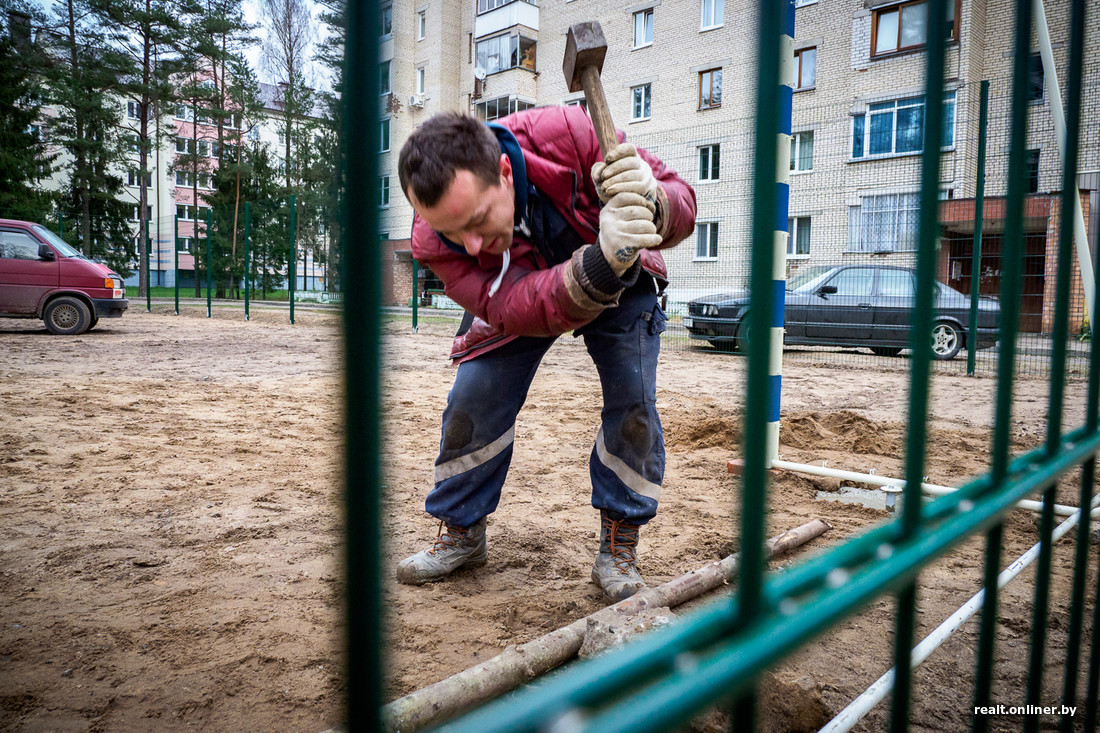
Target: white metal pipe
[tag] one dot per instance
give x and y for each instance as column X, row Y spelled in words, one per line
column 881, row 687
column 897, row 483
column 1050, row 74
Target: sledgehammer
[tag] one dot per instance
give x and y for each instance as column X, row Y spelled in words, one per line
column 585, row 48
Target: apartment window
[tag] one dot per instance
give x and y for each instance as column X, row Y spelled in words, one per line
column 206, row 181
column 1036, row 87
column 582, row 103
column 897, row 127
column 710, row 89
column 709, row 162
column 1033, row 171
column 802, row 152
column 642, row 98
column 384, row 136
column 383, row 191
column 384, row 77
column 884, row 223
column 506, row 52
column 184, row 178
column 494, row 109
column 798, row 236
column 137, row 212
column 904, row 26
column 706, row 241
column 185, row 112
column 713, row 13
column 133, row 144
column 805, row 68
column 387, row 21
column 133, row 178
column 133, row 110
column 420, row 74
column 183, row 244
column 185, row 146
column 484, row 6
column 184, row 212
column 643, row 28
column 421, row 25
column 204, row 148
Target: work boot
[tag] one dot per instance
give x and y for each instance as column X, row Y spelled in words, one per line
column 614, row 570
column 453, row 548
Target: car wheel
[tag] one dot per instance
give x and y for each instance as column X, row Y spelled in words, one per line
column 946, row 341
column 741, row 341
column 885, row 350
column 67, row 316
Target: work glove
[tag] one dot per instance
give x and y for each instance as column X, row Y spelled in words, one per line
column 624, row 171
column 626, row 228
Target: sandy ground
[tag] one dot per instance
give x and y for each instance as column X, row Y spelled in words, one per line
column 170, row 526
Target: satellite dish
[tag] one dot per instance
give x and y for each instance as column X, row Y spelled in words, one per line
column 479, row 73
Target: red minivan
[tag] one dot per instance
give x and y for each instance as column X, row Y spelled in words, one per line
column 43, row 277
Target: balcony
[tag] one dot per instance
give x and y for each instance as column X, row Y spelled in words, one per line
column 494, row 16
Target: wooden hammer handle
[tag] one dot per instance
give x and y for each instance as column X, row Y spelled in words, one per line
column 598, row 109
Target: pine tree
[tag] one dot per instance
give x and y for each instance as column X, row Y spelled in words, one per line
column 330, row 140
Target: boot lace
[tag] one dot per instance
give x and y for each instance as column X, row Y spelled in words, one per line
column 621, row 540
column 448, row 539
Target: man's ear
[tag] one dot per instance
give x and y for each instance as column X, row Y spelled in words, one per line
column 506, row 167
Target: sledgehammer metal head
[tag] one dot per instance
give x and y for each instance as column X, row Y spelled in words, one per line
column 585, row 48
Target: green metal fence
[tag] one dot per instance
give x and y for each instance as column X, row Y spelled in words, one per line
column 716, row 655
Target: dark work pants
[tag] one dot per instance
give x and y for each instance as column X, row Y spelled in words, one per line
column 627, row 463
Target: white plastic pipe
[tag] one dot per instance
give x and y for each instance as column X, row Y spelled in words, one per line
column 897, row 483
column 881, row 687
column 1050, row 74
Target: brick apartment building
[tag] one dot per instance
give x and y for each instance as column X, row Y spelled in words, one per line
column 680, row 80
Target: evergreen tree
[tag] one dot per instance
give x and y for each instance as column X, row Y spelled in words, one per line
column 23, row 156
column 330, row 139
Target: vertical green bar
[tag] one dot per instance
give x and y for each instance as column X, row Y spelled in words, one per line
column 176, row 260
column 983, row 687
column 60, row 223
column 920, row 369
column 979, row 218
column 293, row 258
column 148, row 269
column 362, row 285
column 209, row 262
column 1061, row 334
column 416, row 293
column 247, row 278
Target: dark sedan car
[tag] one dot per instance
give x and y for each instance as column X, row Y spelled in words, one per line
column 849, row 305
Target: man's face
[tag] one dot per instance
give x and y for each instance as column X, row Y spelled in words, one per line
column 470, row 213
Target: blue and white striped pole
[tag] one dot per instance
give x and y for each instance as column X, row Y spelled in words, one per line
column 782, row 208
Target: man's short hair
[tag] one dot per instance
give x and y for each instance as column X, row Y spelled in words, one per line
column 445, row 144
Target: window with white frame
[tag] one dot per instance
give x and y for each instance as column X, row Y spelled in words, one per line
column 501, row 53
column 185, row 212
column 421, row 25
column 802, row 152
column 133, row 144
column 805, row 68
column 387, row 21
column 133, row 110
column 710, row 161
column 581, row 102
column 896, row 127
column 710, row 89
column 383, row 191
column 185, row 178
column 384, row 136
column 484, row 6
column 884, row 223
column 494, row 109
column 185, row 112
column 420, row 77
column 133, row 178
column 641, row 101
column 798, row 236
column 713, row 13
column 183, row 244
column 904, row 26
column 1036, row 83
column 643, row 28
column 706, row 240
column 384, row 77
column 185, row 146
column 134, row 216
column 206, row 181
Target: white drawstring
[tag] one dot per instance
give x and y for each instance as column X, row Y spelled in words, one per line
column 507, row 256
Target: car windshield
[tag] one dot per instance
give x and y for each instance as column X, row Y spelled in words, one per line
column 808, row 278
column 58, row 243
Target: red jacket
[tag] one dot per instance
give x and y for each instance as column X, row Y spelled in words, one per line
column 559, row 147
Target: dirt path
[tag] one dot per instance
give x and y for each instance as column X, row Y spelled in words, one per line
column 169, row 547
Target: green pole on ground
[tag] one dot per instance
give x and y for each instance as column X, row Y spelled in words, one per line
column 976, row 256
column 176, row 260
column 209, row 257
column 416, row 292
column 247, row 279
column 148, row 269
column 293, row 259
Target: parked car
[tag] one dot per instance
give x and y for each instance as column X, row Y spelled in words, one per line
column 849, row 305
column 43, row 277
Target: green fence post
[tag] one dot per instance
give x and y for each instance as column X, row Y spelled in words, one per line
column 293, row 258
column 148, row 269
column 209, row 261
column 247, row 279
column 176, row 260
column 416, row 293
column 362, row 294
column 979, row 216
column 60, row 224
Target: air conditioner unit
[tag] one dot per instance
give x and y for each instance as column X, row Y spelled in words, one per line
column 417, row 100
